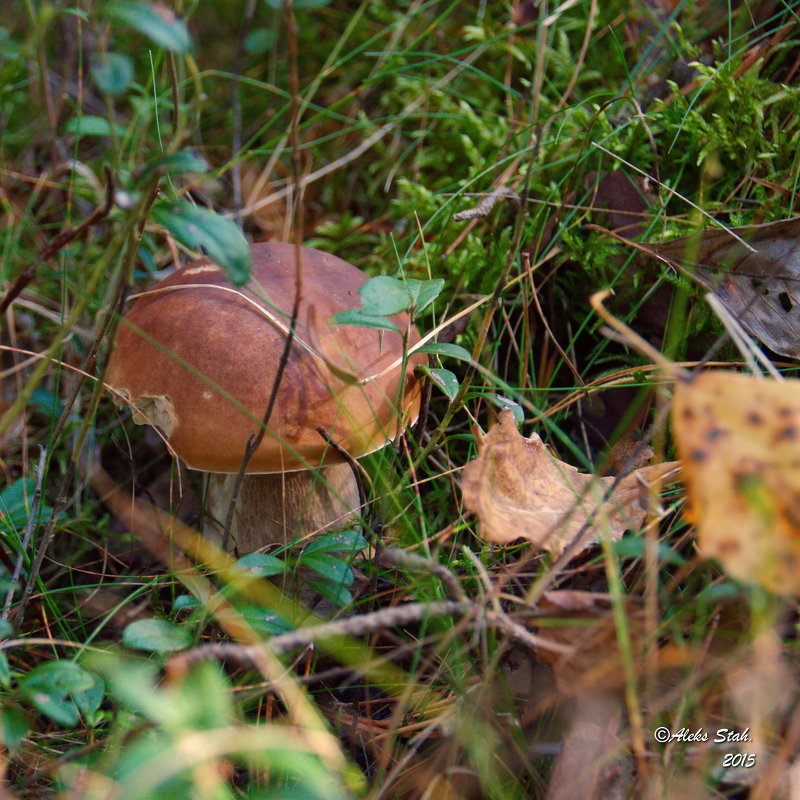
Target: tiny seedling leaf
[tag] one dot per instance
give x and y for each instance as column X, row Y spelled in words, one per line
column 447, row 350
column 355, row 317
column 383, row 296
column 199, row 227
column 112, row 73
column 156, row 21
column 156, row 635
column 443, row 378
column 424, row 293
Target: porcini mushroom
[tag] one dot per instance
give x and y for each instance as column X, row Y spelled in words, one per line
column 198, row 358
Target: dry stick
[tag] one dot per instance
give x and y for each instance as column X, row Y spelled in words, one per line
column 360, row 625
column 254, row 442
column 29, row 527
column 63, row 238
column 395, row 557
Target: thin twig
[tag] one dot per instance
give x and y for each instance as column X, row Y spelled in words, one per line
column 359, row 472
column 360, row 625
column 29, row 528
column 254, row 442
column 63, row 238
column 389, row 556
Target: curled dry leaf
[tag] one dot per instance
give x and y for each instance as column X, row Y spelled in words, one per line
column 519, row 490
column 761, row 289
column 738, row 437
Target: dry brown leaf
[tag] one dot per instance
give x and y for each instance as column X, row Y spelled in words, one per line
column 738, row 437
column 761, row 289
column 519, row 490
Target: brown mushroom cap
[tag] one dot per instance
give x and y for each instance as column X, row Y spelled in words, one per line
column 198, row 357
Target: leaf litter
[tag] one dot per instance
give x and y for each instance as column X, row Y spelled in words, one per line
column 759, row 286
column 519, row 489
column 738, row 437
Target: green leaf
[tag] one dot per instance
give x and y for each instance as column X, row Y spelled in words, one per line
column 337, row 593
column 355, row 317
column 6, row 629
column 444, row 379
column 15, row 727
column 260, row 40
column 48, row 686
column 112, row 73
column 634, row 546
column 89, row 700
column 15, row 503
column 504, row 404
column 91, row 126
column 186, row 601
column 383, row 296
column 156, row 21
column 424, row 292
column 332, row 568
column 262, row 564
column 199, row 227
column 5, row 670
column 447, row 350
column 182, row 162
column 156, row 635
column 342, row 542
column 58, row 677
column 264, row 621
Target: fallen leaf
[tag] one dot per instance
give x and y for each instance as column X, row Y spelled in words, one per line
column 761, row 289
column 519, row 490
column 738, row 438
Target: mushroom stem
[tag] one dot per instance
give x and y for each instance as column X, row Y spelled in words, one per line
column 275, row 508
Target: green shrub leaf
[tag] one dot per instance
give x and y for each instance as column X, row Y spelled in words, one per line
column 91, row 126
column 199, row 227
column 262, row 564
column 448, row 350
column 424, row 293
column 355, row 317
column 112, row 73
column 156, row 21
column 444, row 379
column 383, row 296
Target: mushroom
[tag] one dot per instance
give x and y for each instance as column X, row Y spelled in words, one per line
column 198, row 358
